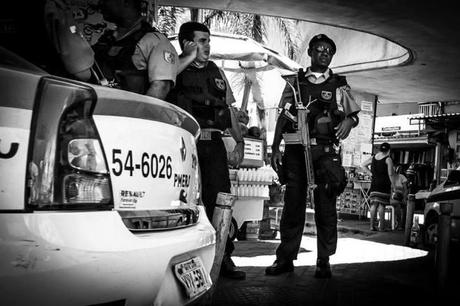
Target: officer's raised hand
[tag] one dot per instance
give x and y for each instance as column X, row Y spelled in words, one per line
column 188, row 55
column 344, row 127
column 190, row 49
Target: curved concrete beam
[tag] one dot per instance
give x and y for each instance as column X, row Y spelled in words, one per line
column 428, row 28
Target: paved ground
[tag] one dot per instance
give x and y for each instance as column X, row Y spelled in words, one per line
column 369, row 268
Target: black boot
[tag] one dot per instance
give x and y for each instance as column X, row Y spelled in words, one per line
column 279, row 267
column 323, row 268
column 228, row 270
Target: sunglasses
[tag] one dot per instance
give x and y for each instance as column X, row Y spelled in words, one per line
column 322, row 48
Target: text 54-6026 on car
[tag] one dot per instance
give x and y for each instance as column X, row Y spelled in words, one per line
column 99, row 192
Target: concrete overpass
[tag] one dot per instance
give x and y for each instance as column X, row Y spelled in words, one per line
column 423, row 35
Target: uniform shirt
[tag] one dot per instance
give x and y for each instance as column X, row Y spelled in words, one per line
column 155, row 53
column 345, row 100
column 229, row 98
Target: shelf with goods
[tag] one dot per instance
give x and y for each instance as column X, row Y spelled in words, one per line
column 251, row 186
column 251, row 183
column 355, row 198
column 407, row 156
column 351, row 201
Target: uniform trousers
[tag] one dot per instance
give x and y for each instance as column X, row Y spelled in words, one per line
column 293, row 216
column 212, row 157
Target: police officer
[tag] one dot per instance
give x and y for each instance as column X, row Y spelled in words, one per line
column 332, row 115
column 136, row 57
column 203, row 90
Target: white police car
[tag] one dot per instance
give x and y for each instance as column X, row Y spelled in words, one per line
column 99, row 194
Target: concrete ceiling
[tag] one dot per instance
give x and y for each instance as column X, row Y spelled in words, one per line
column 429, row 29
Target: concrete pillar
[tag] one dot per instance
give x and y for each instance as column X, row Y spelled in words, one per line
column 442, row 248
column 409, row 218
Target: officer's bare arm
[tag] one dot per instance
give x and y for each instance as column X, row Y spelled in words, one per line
column 159, row 89
column 235, row 130
column 280, row 123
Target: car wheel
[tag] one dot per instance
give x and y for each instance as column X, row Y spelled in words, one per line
column 233, row 230
column 430, row 236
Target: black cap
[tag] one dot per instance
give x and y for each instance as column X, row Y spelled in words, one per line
column 321, row 37
column 385, row 147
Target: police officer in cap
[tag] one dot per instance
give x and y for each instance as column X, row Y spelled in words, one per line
column 203, row 90
column 332, row 114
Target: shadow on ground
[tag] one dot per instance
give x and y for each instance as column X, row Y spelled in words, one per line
column 409, row 281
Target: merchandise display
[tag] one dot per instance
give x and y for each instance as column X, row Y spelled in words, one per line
column 355, row 198
column 251, row 186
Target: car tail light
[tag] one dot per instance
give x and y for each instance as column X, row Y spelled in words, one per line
column 86, row 154
column 67, row 165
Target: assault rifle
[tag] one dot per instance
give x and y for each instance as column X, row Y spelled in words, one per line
column 302, row 135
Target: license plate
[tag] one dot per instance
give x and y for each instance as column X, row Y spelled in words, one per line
column 193, row 276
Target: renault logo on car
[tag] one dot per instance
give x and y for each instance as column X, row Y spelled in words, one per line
column 183, row 150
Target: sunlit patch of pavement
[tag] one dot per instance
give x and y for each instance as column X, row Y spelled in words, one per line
column 349, row 250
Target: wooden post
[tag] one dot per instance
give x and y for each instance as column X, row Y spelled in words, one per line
column 442, row 248
column 409, row 218
column 221, row 220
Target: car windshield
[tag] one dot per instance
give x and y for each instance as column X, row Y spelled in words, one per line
column 10, row 59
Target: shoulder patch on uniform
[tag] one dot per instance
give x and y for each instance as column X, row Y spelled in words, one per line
column 220, row 83
column 169, row 57
column 326, row 95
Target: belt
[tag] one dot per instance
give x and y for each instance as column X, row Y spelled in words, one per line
column 210, row 134
column 327, row 148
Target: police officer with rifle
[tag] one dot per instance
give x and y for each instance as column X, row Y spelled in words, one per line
column 317, row 111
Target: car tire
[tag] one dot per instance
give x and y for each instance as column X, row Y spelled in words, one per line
column 430, row 232
column 233, row 230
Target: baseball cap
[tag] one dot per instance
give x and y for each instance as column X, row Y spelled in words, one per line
column 385, row 147
column 321, row 37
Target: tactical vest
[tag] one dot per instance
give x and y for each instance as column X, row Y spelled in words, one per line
column 114, row 59
column 202, row 92
column 324, row 114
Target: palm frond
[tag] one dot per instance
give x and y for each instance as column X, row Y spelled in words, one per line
column 167, row 18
